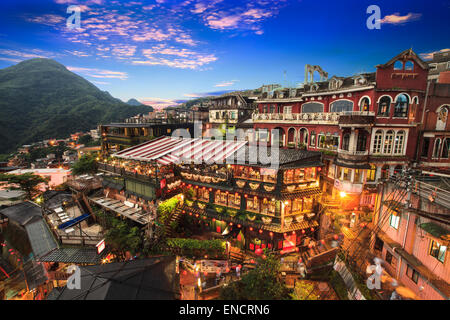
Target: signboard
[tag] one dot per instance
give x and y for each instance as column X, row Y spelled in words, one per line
column 212, row 266
column 100, row 246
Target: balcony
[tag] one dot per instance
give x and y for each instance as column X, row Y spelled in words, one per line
column 300, row 118
column 361, row 118
column 353, row 155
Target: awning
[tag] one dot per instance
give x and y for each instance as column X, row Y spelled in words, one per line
column 352, row 165
column 167, row 150
column 73, row 222
column 435, row 230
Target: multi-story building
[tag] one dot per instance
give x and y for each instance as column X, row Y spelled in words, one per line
column 365, row 125
column 440, row 64
column 412, row 235
column 118, row 136
column 230, row 110
column 258, row 205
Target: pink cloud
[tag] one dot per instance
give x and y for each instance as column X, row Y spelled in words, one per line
column 396, row 18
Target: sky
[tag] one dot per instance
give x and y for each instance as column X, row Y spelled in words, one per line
column 162, row 52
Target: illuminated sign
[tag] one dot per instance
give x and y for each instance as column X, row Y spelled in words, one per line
column 100, row 246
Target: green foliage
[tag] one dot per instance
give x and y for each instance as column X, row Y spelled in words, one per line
column 338, row 285
column 261, row 283
column 86, row 165
column 41, row 99
column 166, row 208
column 197, row 248
column 84, row 139
column 27, row 182
column 121, row 237
column 188, row 194
column 304, row 290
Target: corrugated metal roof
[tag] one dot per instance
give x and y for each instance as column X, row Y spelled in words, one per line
column 41, row 239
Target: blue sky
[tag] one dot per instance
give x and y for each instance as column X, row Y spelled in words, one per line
column 163, row 51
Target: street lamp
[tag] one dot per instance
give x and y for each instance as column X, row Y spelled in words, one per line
column 343, row 194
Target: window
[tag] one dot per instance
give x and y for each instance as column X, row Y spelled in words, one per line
column 388, row 139
column 377, row 142
column 371, row 173
column 358, row 176
column 384, row 106
column 438, row 251
column 399, row 142
column 346, row 142
column 425, row 147
column 385, row 172
column 265, row 109
column 409, row 66
column 347, row 173
column 365, row 104
column 287, row 109
column 312, row 141
column 442, row 116
column 389, row 257
column 401, row 106
column 361, row 143
column 378, row 244
column 437, row 147
column 445, row 148
column 312, row 107
column 412, row 274
column 394, row 221
column 341, row 106
column 398, row 65
column 272, row 108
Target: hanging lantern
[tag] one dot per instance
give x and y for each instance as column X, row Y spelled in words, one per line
column 259, row 251
column 214, row 219
column 312, row 229
column 293, row 232
column 205, row 273
column 271, row 233
column 251, row 229
column 260, row 231
column 303, row 231
column 336, row 237
column 238, row 225
column 231, row 223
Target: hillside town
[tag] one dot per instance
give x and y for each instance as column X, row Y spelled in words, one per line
column 341, row 183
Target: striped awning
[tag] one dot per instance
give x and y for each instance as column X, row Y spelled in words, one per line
column 167, row 150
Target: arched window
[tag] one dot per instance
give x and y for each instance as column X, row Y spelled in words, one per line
column 303, row 136
column 365, row 104
column 399, row 142
column 401, row 106
column 437, row 148
column 445, row 148
column 442, row 117
column 291, row 136
column 378, row 142
column 346, row 142
column 371, row 173
column 384, row 106
column 312, row 107
column 398, row 65
column 409, row 66
column 388, row 139
column 341, row 106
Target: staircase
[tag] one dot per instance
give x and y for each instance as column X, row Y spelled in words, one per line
column 174, row 217
column 236, row 256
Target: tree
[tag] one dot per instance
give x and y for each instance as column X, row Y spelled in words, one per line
column 86, row 165
column 122, row 238
column 261, row 283
column 84, row 139
column 27, row 182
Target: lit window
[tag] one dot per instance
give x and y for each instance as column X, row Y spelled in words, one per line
column 384, row 106
column 388, row 139
column 394, row 221
column 438, row 251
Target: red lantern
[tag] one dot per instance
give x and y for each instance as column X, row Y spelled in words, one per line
column 231, row 223
column 227, row 270
column 204, row 218
column 310, row 246
column 260, row 231
column 238, row 225
column 300, row 260
column 240, row 266
column 258, row 251
column 312, row 229
column 336, row 237
column 251, row 228
column 271, row 233
column 264, row 257
column 293, row 232
column 252, row 261
column 205, row 273
column 322, row 241
column 303, row 231
column 214, row 219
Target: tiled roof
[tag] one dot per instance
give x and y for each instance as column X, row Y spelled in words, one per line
column 73, row 255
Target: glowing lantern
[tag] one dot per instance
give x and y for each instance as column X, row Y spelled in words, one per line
column 260, row 231
column 258, row 251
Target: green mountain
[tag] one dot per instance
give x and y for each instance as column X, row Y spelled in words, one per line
column 41, row 99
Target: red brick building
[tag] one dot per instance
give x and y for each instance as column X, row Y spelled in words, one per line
column 365, row 125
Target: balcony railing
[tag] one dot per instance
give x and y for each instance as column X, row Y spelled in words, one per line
column 354, row 153
column 319, row 117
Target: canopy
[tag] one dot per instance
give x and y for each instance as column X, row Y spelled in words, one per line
column 167, row 150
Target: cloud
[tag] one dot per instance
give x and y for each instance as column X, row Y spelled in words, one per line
column 207, row 94
column 226, row 83
column 99, row 73
column 159, row 103
column 27, row 54
column 11, row 59
column 429, row 55
column 174, row 57
column 396, row 18
column 47, row 19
